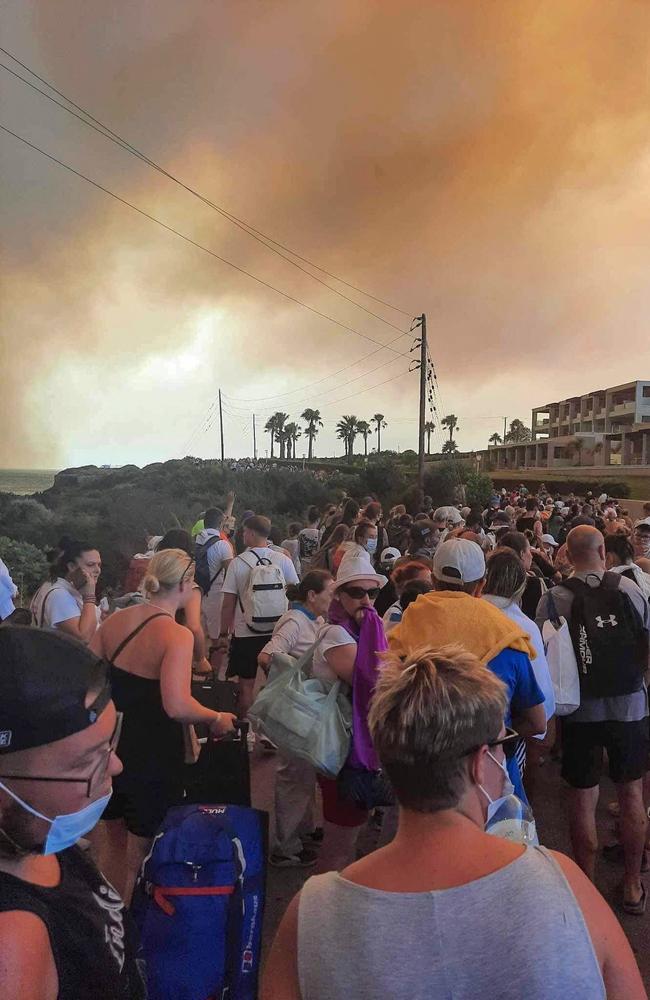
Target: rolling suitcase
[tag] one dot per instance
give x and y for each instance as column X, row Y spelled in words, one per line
column 222, row 772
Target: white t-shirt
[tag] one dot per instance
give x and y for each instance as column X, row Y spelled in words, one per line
column 58, row 602
column 237, row 579
column 292, row 545
column 218, row 553
column 294, row 633
column 328, row 636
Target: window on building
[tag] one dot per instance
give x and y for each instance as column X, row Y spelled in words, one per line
column 646, row 391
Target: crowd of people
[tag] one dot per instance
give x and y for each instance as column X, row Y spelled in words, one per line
column 434, row 628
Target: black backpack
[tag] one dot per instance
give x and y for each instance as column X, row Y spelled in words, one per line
column 609, row 640
column 202, row 570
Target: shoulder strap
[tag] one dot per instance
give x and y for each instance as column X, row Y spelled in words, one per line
column 575, row 585
column 132, row 635
column 611, row 581
column 51, row 590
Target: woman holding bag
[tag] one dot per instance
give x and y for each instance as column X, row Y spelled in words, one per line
column 348, row 649
column 295, row 783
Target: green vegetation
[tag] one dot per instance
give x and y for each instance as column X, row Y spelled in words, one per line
column 114, row 508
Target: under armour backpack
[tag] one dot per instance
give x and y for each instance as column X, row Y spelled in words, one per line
column 199, row 903
column 264, row 600
column 609, row 639
column 202, row 567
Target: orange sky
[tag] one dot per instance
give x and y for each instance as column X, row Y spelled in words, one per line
column 486, row 163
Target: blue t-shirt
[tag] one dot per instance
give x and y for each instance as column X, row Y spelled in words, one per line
column 516, row 672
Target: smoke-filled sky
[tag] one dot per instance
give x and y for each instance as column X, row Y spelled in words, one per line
column 486, row 163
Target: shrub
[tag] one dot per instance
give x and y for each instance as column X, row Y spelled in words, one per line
column 26, row 563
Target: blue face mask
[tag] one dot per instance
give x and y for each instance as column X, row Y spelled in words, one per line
column 371, row 545
column 66, row 830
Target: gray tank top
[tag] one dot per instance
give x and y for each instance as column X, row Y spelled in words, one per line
column 518, row 932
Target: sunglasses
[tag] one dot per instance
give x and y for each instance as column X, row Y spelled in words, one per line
column 509, row 744
column 358, row 593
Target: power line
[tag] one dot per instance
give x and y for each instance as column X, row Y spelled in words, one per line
column 256, row 234
column 334, row 388
column 193, row 243
column 280, row 395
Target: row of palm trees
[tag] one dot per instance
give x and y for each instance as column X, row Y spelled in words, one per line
column 285, row 433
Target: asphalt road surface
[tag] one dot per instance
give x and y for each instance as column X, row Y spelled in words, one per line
column 550, row 814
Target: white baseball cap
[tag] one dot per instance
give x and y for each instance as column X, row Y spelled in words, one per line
column 389, row 555
column 549, row 540
column 459, row 560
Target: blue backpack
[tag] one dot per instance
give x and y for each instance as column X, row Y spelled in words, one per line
column 199, row 903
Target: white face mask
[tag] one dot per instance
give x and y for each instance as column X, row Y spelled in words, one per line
column 507, row 816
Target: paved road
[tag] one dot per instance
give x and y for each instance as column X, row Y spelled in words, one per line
column 550, row 816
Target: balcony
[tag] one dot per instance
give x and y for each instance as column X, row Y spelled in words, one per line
column 627, row 406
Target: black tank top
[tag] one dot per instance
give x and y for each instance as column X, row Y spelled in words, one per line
column 151, row 744
column 92, row 935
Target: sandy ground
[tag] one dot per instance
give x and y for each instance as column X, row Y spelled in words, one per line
column 552, row 827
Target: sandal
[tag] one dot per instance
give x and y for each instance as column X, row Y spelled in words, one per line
column 637, row 909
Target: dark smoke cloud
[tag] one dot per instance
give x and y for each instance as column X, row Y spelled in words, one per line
column 485, row 163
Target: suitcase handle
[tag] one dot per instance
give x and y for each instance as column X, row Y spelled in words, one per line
column 241, row 731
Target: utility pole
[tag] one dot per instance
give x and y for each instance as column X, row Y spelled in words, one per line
column 221, row 427
column 505, row 420
column 423, row 397
column 254, row 440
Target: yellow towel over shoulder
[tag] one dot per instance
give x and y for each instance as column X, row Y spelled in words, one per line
column 441, row 618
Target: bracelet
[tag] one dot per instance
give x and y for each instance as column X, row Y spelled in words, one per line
column 224, row 635
column 90, row 600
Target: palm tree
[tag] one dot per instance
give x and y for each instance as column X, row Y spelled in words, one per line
column 364, row 428
column 313, row 421
column 279, row 420
column 495, row 438
column 449, row 447
column 451, row 423
column 347, row 430
column 429, row 428
column 379, row 420
column 292, row 433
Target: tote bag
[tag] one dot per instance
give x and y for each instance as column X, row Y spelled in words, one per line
column 304, row 716
column 562, row 663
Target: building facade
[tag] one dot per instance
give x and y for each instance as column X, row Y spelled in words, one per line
column 603, row 429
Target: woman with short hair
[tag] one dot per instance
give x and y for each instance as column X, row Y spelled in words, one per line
column 489, row 917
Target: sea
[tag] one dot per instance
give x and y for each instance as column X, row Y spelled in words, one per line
column 24, row 481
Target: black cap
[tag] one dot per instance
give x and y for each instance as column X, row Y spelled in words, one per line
column 44, row 681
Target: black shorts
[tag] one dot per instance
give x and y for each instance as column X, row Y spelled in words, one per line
column 142, row 803
column 243, row 656
column 583, row 743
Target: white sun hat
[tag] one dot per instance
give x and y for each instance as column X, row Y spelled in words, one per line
column 356, row 565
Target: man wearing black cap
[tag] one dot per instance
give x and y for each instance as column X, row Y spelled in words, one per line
column 64, row 933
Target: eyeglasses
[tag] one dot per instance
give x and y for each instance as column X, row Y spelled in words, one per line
column 98, row 775
column 509, row 743
column 358, row 593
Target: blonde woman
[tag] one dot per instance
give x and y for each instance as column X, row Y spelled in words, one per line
column 151, row 662
column 489, row 917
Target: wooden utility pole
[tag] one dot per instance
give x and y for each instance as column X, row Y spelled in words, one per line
column 423, row 397
column 505, row 421
column 221, row 427
column 254, row 440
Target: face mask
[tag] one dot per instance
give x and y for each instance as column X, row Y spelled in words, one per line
column 508, row 816
column 66, row 830
column 371, row 545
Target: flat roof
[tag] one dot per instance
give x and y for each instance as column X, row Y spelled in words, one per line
column 594, row 392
